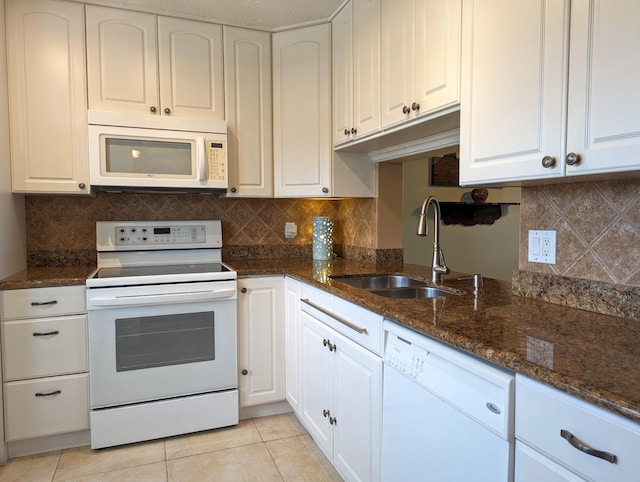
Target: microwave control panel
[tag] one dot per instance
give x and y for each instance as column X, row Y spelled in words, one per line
column 217, row 160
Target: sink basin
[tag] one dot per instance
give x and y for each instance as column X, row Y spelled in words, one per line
column 396, row 286
column 415, row 292
column 376, row 282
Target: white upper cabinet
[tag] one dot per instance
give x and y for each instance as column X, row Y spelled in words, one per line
column 47, row 97
column 247, row 70
column 548, row 89
column 603, row 118
column 420, row 59
column 302, row 112
column 144, row 64
column 356, row 70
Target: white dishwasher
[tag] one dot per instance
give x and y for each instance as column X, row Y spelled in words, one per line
column 447, row 416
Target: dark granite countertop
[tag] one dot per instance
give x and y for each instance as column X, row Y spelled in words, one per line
column 47, row 277
column 588, row 355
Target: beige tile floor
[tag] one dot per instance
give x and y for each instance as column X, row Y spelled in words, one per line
column 275, row 448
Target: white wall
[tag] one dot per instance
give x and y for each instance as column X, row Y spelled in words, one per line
column 491, row 250
column 13, row 256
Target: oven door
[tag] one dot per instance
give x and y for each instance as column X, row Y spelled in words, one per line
column 151, row 346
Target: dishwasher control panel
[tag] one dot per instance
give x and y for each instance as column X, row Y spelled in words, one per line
column 405, row 357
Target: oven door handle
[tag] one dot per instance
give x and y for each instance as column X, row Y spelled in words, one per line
column 162, row 298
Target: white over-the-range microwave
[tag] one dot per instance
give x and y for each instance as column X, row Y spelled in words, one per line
column 129, row 152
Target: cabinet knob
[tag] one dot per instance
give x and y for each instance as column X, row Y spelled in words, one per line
column 415, row 106
column 548, row 161
column 153, row 109
column 233, row 189
column 573, row 159
column 354, row 130
column 346, row 132
column 82, row 185
column 405, row 110
column 243, row 290
column 325, row 190
column 244, row 371
column 167, row 110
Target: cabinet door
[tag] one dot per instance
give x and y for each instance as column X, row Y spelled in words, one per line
column 190, row 65
column 513, row 89
column 358, row 410
column 292, row 342
column 316, row 365
column 366, row 66
column 342, row 62
column 47, row 97
column 604, row 100
column 247, row 60
column 398, row 60
column 302, row 112
column 261, row 340
column 122, row 60
column 437, row 58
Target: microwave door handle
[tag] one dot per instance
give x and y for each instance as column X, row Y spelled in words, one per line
column 201, row 159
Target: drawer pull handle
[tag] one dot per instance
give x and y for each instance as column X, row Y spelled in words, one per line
column 50, row 394
column 48, row 333
column 569, row 437
column 44, row 303
column 362, row 331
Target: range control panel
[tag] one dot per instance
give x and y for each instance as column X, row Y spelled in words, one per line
column 143, row 235
column 150, row 235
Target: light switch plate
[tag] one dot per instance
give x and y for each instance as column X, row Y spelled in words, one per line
column 542, row 247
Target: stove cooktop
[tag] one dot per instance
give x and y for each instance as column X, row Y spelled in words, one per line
column 161, row 270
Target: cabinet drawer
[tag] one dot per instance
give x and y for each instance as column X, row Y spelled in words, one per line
column 360, row 325
column 542, row 412
column 317, row 297
column 30, row 412
column 44, row 347
column 39, row 302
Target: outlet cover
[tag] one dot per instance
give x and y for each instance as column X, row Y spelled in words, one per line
column 290, row 230
column 542, row 247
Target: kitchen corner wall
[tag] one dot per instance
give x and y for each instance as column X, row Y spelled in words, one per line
column 61, row 229
column 598, row 229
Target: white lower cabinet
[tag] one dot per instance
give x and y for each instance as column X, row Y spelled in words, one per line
column 46, row 406
column 341, row 385
column 261, row 340
column 561, row 438
column 45, row 364
column 292, row 341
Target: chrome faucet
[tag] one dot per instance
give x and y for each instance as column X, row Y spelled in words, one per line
column 438, row 265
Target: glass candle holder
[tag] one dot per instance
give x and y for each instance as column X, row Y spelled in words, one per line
column 322, row 238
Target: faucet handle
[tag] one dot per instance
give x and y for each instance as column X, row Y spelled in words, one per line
column 478, row 282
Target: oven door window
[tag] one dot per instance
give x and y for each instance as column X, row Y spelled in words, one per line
column 164, row 340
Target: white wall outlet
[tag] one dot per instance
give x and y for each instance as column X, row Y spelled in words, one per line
column 542, row 247
column 290, row 230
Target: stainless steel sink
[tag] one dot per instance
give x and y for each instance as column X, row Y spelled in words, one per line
column 375, row 282
column 396, row 286
column 415, row 292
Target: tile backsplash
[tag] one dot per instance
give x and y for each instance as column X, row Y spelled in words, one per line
column 61, row 229
column 598, row 229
